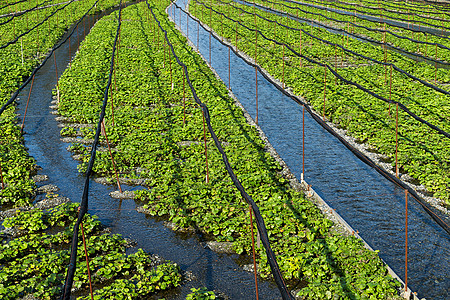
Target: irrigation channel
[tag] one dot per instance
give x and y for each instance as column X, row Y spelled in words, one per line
column 220, row 272
column 366, row 200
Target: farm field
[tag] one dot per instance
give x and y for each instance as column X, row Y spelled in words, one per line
column 356, row 97
column 133, row 115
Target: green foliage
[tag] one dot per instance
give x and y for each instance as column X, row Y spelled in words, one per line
column 36, row 262
column 422, row 152
column 200, row 294
column 152, row 142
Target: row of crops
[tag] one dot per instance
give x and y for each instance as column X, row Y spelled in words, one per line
column 329, row 61
column 36, row 236
column 156, row 133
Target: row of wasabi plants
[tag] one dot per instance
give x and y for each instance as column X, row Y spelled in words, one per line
column 155, row 138
column 35, row 243
column 35, row 252
column 422, row 152
column 16, row 63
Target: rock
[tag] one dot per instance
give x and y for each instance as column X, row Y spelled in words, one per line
column 177, row 228
column 8, row 213
column 221, row 247
column 189, row 276
column 123, row 195
column 47, row 189
column 51, row 202
column 143, row 210
column 250, row 268
column 39, row 178
column 187, row 143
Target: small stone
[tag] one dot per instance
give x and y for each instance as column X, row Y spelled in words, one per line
column 189, row 276
column 47, row 189
column 39, row 178
column 51, row 202
column 123, row 195
column 221, row 247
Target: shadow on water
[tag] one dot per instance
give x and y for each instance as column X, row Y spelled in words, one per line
column 215, row 271
column 366, row 200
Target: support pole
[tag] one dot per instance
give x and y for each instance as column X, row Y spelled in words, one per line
column 1, row 176
column 284, row 85
column 254, row 254
column 184, row 100
column 324, row 93
column 206, row 149
column 303, row 144
column 229, row 68
column 396, row 142
column 390, row 91
column 435, row 67
column 112, row 159
column 26, row 107
column 406, row 240
column 87, row 260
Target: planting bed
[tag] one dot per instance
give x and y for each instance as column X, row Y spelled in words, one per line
column 36, row 228
column 156, row 139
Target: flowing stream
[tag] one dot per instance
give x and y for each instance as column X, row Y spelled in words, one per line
column 366, row 200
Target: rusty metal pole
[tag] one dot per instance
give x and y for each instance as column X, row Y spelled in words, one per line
column 229, row 68
column 1, row 176
column 170, row 68
column 254, row 253
column 37, row 31
column 335, row 63
column 396, row 142
column 206, row 149
column 256, row 70
column 385, row 64
column 187, row 25
column 56, row 73
column 198, row 36
column 256, row 81
column 303, row 144
column 184, row 100
column 210, row 33
column 435, row 67
column 348, row 31
column 236, row 36
column 26, row 107
column 87, row 260
column 115, row 79
column 406, row 240
column 301, row 63
column 164, row 55
column 324, row 93
column 14, row 21
column 284, row 86
column 110, row 154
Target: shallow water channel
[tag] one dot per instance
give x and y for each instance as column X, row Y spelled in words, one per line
column 365, row 199
column 215, row 271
